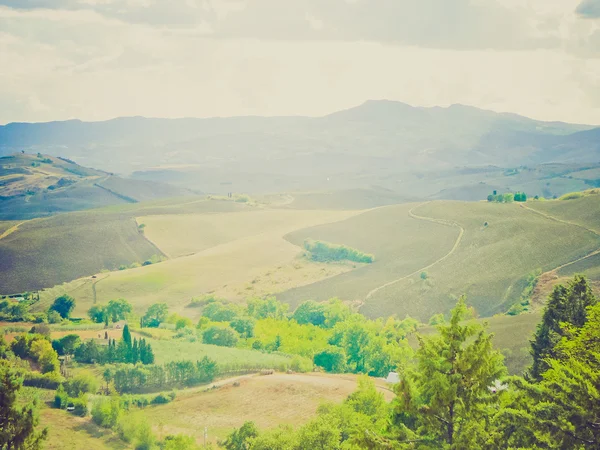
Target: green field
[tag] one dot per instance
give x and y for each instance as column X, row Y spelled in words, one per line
column 167, row 350
column 489, row 265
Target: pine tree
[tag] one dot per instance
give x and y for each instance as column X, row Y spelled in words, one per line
column 17, row 423
column 445, row 399
column 127, row 336
column 566, row 305
column 135, row 352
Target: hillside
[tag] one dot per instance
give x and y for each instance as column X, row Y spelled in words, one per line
column 415, row 153
column 40, row 185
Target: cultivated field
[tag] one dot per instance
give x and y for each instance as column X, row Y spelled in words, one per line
column 234, row 255
column 489, row 264
column 269, row 401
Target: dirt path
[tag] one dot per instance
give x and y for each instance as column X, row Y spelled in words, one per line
column 551, row 275
column 11, row 230
column 422, row 269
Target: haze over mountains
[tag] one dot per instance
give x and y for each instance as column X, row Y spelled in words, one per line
column 413, row 152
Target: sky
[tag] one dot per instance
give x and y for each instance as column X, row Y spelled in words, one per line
column 99, row 59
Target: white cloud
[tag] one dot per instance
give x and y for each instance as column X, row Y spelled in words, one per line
column 104, row 58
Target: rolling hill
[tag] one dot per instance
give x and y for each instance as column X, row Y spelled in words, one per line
column 413, row 152
column 40, row 185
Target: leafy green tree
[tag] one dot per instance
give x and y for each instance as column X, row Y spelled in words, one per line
column 280, row 438
column 126, row 336
column 118, row 309
column 566, row 305
column 155, row 315
column 310, row 312
column 336, row 312
column 332, row 359
column 17, row 422
column 218, row 312
column 323, row 433
column 82, row 383
column 180, row 442
column 63, row 305
column 225, row 337
column 244, row 326
column 240, row 439
column 445, row 400
column 97, row 313
column 67, row 344
column 267, row 308
column 45, row 356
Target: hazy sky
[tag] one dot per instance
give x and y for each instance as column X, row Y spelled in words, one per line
column 97, row 59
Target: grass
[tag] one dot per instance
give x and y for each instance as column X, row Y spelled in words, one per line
column 268, row 400
column 68, row 432
column 234, row 255
column 169, row 350
column 490, row 264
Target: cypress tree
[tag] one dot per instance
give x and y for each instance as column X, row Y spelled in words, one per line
column 127, row 336
column 566, row 305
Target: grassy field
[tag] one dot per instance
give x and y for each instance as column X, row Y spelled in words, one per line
column 235, row 255
column 68, row 432
column 50, row 251
column 489, row 264
column 267, row 400
column 399, row 243
column 168, row 350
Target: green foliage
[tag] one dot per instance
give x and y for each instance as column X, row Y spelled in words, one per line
column 61, row 398
column 54, row 317
column 82, row 383
column 507, row 197
column 572, row 196
column 523, row 303
column 118, row 309
column 566, row 305
column 268, row 308
column 67, row 344
column 106, row 412
column 155, row 315
column 224, row 337
column 80, row 405
column 97, row 313
column 332, row 359
column 437, row 319
column 17, row 421
column 445, row 398
column 180, row 442
column 326, row 252
column 38, row 349
column 240, row 439
column 219, row 312
column 310, row 312
column 63, row 305
column 244, row 326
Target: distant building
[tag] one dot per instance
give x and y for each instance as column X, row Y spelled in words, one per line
column 393, row 378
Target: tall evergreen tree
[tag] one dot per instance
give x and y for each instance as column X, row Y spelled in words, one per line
column 17, row 423
column 127, row 336
column 445, row 400
column 566, row 306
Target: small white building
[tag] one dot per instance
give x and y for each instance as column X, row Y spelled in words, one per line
column 393, row 378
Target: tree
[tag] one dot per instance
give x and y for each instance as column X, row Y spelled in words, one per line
column 562, row 409
column 240, row 439
column 118, row 309
column 17, row 423
column 97, row 313
column 332, row 359
column 310, row 312
column 244, row 326
column 155, row 315
column 67, row 344
column 63, row 305
column 323, row 433
column 566, row 305
column 444, row 400
column 267, row 308
column 225, row 337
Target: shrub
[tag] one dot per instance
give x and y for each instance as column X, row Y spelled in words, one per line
column 60, row 398
column 325, row 252
column 107, row 412
column 224, row 337
column 50, row 380
column 127, row 427
column 332, row 359
column 160, row 399
column 81, row 406
column 81, row 384
column 54, row 317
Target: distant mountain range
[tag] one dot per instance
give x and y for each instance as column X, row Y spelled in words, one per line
column 383, row 145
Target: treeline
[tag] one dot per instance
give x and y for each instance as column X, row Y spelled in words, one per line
column 455, row 394
column 327, row 252
column 508, row 197
column 329, row 334
column 131, row 378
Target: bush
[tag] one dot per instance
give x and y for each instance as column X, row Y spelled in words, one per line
column 127, row 427
column 160, row 399
column 332, row 359
column 54, row 317
column 81, row 384
column 107, row 412
column 60, row 398
column 81, row 406
column 50, row 380
column 325, row 252
column 224, row 337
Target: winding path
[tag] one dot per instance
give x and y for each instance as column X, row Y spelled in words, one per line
column 11, row 230
column 412, row 214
